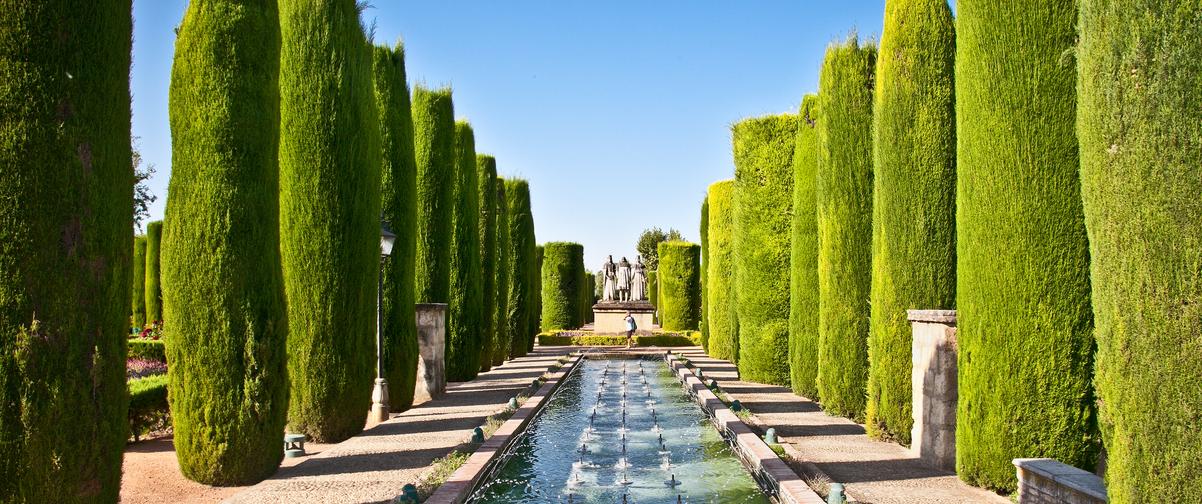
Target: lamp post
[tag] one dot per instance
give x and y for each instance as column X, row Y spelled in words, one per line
column 379, row 394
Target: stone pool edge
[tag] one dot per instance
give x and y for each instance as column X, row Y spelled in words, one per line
column 755, row 454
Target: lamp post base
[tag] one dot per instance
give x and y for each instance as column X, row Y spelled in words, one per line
column 379, row 401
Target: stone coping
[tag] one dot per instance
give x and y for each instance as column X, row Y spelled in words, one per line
column 755, row 454
column 933, row 316
column 463, row 481
column 1070, row 477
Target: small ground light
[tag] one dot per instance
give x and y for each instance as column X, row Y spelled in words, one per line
column 836, row 494
column 409, row 494
column 770, row 436
column 477, row 435
column 736, row 406
column 513, row 403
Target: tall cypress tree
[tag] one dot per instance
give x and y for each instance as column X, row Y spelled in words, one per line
column 138, row 292
column 705, row 221
column 914, row 199
column 803, row 257
column 562, row 282
column 724, row 335
column 66, row 226
column 502, row 342
column 329, row 214
column 398, row 186
column 225, row 320
column 1140, row 129
column 153, row 271
column 536, row 317
column 521, row 263
column 464, row 320
column 680, row 285
column 434, row 155
column 1025, row 328
column 486, row 175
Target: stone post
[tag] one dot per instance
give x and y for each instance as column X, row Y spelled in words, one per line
column 431, row 344
column 934, row 387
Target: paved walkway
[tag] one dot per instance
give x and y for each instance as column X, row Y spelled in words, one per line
column 375, row 465
column 872, row 471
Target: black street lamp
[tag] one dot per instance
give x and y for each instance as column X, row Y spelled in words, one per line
column 379, row 394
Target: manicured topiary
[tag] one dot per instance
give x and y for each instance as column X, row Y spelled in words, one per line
column 680, row 285
column 914, row 199
column 66, row 226
column 562, row 282
column 1139, row 122
column 138, row 293
column 502, row 339
column 844, row 209
column 398, row 187
column 329, row 215
column 653, row 288
column 719, row 273
column 486, row 174
column 803, row 256
column 521, row 263
column 434, row 155
column 590, row 298
column 225, row 323
column 153, row 271
column 536, row 314
column 464, row 318
column 1025, row 329
column 763, row 200
column 705, row 218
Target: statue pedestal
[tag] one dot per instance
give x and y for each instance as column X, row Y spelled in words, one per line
column 609, row 317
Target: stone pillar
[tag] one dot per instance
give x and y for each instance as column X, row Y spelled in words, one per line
column 934, row 387
column 431, row 344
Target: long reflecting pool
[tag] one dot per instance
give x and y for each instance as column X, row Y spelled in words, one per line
column 620, row 431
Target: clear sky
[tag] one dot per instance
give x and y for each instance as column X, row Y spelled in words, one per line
column 618, row 113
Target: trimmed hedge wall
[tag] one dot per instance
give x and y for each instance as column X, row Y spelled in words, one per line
column 1025, row 330
column 521, row 264
column 148, row 406
column 914, row 199
column 329, row 215
column 464, row 310
column 763, row 152
column 503, row 341
column 660, row 339
column 653, row 289
column 434, row 156
column 844, row 209
column 66, row 226
column 803, row 256
column 719, row 273
column 138, row 293
column 590, row 296
column 146, row 349
column 153, row 272
column 705, row 217
column 486, row 175
column 536, row 314
column 398, row 188
column 680, row 283
column 562, row 283
column 1140, row 130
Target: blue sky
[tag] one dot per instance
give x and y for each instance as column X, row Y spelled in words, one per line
column 618, row 112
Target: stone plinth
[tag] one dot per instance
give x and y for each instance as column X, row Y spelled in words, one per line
column 610, row 317
column 431, row 344
column 934, row 387
column 1046, row 481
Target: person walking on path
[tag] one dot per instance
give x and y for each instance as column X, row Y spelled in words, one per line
column 630, row 328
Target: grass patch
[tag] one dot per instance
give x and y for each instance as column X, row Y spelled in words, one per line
column 440, row 470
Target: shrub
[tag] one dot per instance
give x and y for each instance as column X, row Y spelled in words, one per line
column 146, row 349
column 561, row 279
column 653, row 289
column 719, row 273
column 434, row 154
column 398, row 186
column 1022, row 288
column 590, row 297
column 803, row 256
column 66, row 225
column 914, row 199
column 763, row 152
column 1140, row 123
column 705, row 217
column 844, row 209
column 464, row 320
column 329, row 215
column 503, row 341
column 536, row 314
column 680, row 284
column 138, row 293
column 660, row 339
column 521, row 265
column 153, row 270
column 486, row 174
column 148, row 406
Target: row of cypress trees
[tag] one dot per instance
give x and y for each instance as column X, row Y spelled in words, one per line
column 146, row 299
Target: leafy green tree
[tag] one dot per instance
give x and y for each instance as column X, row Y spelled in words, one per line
column 153, row 272
column 522, row 263
column 503, row 341
column 648, row 244
column 680, row 285
column 464, row 319
column 723, row 321
column 434, row 155
column 138, row 296
column 562, row 281
column 486, row 175
column 803, row 256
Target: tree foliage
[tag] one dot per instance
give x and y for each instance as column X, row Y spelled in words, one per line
column 648, row 244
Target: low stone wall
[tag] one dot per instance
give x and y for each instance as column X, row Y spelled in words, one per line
column 1047, row 481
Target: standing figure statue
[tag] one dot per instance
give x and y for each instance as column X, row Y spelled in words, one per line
column 624, row 278
column 609, row 271
column 638, row 285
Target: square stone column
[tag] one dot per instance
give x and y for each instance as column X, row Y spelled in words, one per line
column 431, row 344
column 934, row 387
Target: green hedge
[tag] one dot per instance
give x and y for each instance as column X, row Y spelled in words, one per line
column 521, row 263
column 1025, row 330
column 329, row 215
column 1140, row 123
column 465, row 321
column 803, row 256
column 719, row 273
column 561, row 285
column 763, row 200
column 666, row 339
column 653, row 289
column 590, row 296
column 680, row 284
column 138, row 293
column 486, row 174
column 844, row 209
column 536, row 314
column 153, row 272
column 148, row 406
column 398, row 186
column 146, row 349
column 705, row 218
column 66, row 226
column 914, row 199
column 434, row 155
column 503, row 339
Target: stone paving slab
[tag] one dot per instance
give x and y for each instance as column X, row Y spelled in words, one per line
column 375, row 465
column 873, row 472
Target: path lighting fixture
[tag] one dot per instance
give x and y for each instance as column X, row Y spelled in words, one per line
column 379, row 394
